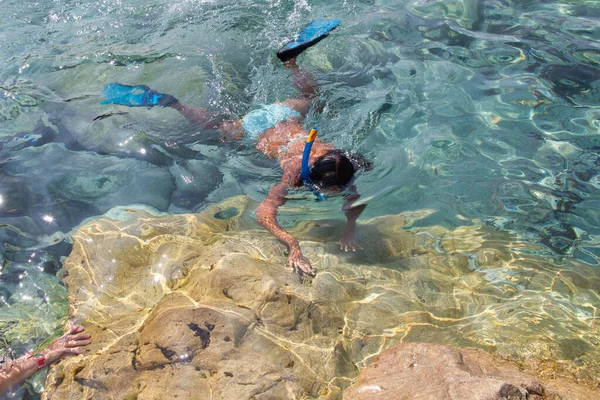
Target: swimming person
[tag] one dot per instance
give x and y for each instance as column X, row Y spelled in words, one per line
column 279, row 133
column 16, row 371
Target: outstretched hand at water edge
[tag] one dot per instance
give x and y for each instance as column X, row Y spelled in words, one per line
column 16, row 371
column 71, row 342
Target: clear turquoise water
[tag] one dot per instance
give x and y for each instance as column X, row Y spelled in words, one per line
column 480, row 110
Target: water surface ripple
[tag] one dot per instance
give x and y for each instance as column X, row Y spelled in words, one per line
column 486, row 112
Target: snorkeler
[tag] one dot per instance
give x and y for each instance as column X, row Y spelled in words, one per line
column 279, row 133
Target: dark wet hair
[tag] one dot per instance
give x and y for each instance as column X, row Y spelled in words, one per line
column 337, row 168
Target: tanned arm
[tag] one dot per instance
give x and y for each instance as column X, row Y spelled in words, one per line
column 16, row 371
column 266, row 215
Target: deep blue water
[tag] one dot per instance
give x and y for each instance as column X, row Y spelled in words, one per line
column 484, row 111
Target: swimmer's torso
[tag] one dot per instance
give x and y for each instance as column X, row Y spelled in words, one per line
column 286, row 141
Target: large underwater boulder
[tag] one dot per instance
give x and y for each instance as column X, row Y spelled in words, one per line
column 204, row 305
column 427, row 371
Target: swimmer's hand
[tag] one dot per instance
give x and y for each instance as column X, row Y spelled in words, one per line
column 348, row 241
column 300, row 263
column 71, row 342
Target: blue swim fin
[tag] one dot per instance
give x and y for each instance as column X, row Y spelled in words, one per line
column 135, row 96
column 312, row 33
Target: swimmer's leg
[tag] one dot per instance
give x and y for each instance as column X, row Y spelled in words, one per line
column 200, row 116
column 142, row 96
column 303, row 81
column 228, row 128
column 308, row 87
column 310, row 35
column 232, row 129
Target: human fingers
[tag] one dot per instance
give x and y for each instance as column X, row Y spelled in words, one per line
column 295, row 266
column 80, row 336
column 77, row 343
column 345, row 247
column 304, row 265
column 305, row 268
column 298, row 265
column 354, row 245
column 75, row 350
column 76, row 329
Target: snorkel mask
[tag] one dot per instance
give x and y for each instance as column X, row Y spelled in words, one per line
column 306, row 168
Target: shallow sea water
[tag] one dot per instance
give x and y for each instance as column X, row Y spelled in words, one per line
column 486, row 112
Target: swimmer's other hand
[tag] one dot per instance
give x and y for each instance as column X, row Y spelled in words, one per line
column 348, row 241
column 300, row 263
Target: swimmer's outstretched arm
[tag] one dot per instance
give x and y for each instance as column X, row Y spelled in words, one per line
column 348, row 239
column 16, row 371
column 266, row 215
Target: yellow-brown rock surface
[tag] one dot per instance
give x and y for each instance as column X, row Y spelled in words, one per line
column 204, row 306
column 428, row 371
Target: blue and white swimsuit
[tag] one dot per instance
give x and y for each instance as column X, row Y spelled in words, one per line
column 258, row 121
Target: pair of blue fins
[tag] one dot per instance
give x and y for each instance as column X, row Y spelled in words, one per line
column 143, row 96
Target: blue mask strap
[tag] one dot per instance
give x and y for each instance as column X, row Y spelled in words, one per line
column 305, row 167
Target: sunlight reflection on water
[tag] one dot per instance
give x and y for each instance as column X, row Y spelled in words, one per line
column 480, row 111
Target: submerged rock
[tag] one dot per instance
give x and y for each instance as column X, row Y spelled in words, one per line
column 427, row 371
column 205, row 304
column 194, row 181
column 62, row 183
